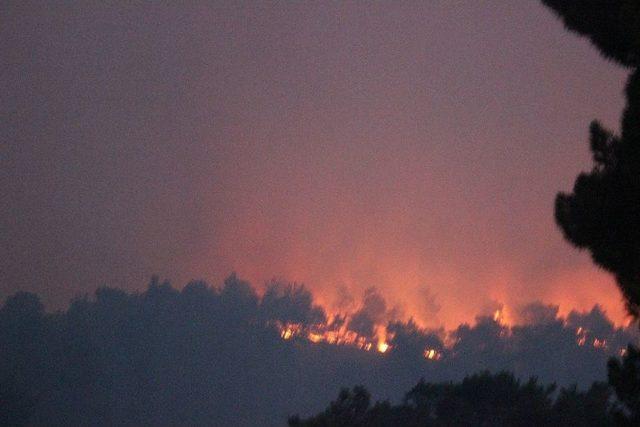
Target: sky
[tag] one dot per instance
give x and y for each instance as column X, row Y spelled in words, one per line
column 415, row 147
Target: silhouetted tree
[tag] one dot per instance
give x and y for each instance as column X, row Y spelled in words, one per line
column 624, row 377
column 583, row 408
column 290, row 302
column 611, row 25
column 499, row 399
column 351, row 408
column 479, row 400
column 603, row 212
column 23, row 345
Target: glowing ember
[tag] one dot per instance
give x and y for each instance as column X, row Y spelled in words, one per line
column 581, row 336
column 316, row 338
column 286, row 334
column 326, row 333
column 599, row 343
column 323, row 334
column 431, row 354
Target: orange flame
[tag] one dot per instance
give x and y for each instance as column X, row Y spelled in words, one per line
column 343, row 336
column 325, row 333
column 432, row 354
column 383, row 347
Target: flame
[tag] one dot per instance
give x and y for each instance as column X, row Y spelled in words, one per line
column 315, row 338
column 432, row 354
column 503, row 316
column 329, row 334
column 342, row 336
column 289, row 332
column 581, row 335
column 383, row 347
column 599, row 343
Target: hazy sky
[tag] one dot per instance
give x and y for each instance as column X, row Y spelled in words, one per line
column 416, row 147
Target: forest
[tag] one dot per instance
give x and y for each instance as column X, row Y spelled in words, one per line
column 221, row 355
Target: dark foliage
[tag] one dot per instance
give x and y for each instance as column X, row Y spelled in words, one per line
column 603, row 212
column 480, row 400
column 611, row 25
column 208, row 355
column 624, row 377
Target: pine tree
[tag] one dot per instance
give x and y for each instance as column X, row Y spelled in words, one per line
column 602, row 214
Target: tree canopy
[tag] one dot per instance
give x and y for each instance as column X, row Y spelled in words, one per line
column 602, row 214
column 482, row 399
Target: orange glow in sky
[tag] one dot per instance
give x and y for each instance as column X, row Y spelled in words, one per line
column 412, row 147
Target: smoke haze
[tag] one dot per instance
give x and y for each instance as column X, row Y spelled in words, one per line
column 400, row 147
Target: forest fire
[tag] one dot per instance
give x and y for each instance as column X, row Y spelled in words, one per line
column 582, row 338
column 581, row 335
column 322, row 333
column 372, row 327
column 432, row 354
column 383, row 340
column 383, row 347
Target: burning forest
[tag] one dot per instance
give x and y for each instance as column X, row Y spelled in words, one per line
column 175, row 351
column 592, row 330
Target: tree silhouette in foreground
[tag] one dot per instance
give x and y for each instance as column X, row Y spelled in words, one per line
column 624, row 377
column 603, row 212
column 480, row 400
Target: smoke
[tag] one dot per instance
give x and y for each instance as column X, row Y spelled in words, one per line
column 372, row 312
column 211, row 143
column 537, row 313
column 290, row 303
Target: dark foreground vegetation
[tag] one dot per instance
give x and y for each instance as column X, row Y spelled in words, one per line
column 479, row 400
column 487, row 399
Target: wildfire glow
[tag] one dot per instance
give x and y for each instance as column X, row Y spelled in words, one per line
column 336, row 332
column 599, row 343
column 315, row 338
column 287, row 333
column 431, row 354
column 581, row 335
column 341, row 336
